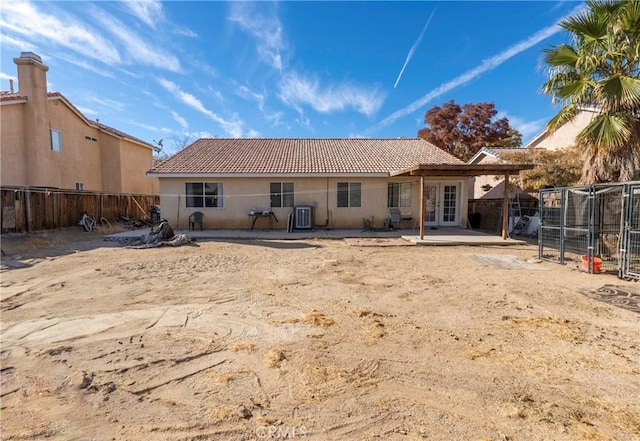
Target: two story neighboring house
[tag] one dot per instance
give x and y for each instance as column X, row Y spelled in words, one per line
column 491, row 187
column 45, row 141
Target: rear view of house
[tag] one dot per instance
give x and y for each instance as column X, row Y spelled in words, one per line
column 337, row 183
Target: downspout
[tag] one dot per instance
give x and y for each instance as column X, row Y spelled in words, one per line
column 326, row 222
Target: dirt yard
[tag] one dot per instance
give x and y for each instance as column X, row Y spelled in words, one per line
column 314, row 339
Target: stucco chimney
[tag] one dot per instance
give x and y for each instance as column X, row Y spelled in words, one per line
column 32, row 75
column 32, row 84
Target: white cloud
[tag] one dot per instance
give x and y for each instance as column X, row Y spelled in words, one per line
column 179, row 119
column 16, row 43
column 149, row 12
column 305, row 122
column 86, row 111
column 526, row 128
column 470, row 75
column 142, row 52
column 275, row 118
column 298, row 91
column 112, row 104
column 85, row 65
column 233, row 128
column 27, row 20
column 267, row 32
column 4, row 76
column 248, row 94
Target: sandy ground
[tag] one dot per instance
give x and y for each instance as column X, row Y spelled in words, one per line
column 315, row 339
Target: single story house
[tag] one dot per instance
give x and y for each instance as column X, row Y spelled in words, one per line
column 330, row 183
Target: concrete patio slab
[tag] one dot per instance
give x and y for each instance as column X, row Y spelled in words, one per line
column 441, row 236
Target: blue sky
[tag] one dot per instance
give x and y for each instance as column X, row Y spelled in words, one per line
column 166, row 70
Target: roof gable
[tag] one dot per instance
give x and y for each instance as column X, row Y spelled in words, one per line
column 290, row 156
column 16, row 98
column 493, row 152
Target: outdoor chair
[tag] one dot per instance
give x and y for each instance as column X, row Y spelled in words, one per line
column 196, row 218
column 395, row 220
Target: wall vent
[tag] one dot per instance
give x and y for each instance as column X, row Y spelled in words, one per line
column 303, row 217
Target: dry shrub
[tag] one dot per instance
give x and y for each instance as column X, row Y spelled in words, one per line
column 275, row 357
column 479, row 352
column 516, row 412
column 242, row 346
column 564, row 329
column 314, row 318
column 222, row 413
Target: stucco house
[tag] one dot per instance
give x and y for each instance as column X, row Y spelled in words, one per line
column 45, row 141
column 329, row 183
column 491, row 187
column 346, row 182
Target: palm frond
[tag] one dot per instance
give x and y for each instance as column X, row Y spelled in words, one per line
column 566, row 114
column 609, row 132
column 561, row 55
column 619, row 92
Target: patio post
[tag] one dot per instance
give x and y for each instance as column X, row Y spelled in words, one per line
column 421, row 207
column 505, row 208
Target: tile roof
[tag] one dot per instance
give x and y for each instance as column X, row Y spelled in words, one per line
column 11, row 96
column 302, row 156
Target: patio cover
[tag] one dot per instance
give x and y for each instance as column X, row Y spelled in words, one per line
column 440, row 170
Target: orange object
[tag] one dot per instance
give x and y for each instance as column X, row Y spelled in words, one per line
column 594, row 262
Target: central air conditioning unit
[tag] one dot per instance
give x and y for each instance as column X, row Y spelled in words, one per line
column 303, row 217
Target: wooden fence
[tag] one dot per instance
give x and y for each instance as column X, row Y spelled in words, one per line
column 33, row 208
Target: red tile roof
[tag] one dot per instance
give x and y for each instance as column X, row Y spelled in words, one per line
column 11, row 96
column 302, row 156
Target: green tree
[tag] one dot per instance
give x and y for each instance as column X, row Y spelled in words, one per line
column 600, row 68
column 463, row 130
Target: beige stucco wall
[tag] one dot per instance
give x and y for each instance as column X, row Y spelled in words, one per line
column 565, row 135
column 135, row 161
column 476, row 183
column 79, row 158
column 240, row 195
column 12, row 157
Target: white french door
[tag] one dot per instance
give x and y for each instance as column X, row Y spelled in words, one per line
column 442, row 204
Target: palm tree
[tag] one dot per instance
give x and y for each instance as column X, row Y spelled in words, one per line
column 601, row 68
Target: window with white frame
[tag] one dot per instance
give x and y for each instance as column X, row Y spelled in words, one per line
column 204, row 194
column 56, row 141
column 281, row 194
column 399, row 195
column 349, row 194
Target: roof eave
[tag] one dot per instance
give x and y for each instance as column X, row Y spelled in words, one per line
column 267, row 175
column 443, row 170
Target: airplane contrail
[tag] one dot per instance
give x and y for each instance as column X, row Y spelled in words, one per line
column 486, row 65
column 414, row 47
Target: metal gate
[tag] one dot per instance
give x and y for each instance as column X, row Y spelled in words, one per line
column 630, row 265
column 597, row 227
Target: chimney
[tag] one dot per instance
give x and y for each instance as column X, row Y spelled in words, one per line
column 11, row 85
column 32, row 84
column 32, row 76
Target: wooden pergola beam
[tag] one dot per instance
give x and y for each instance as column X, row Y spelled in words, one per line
column 465, row 170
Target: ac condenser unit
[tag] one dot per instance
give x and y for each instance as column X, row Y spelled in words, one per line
column 303, row 217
